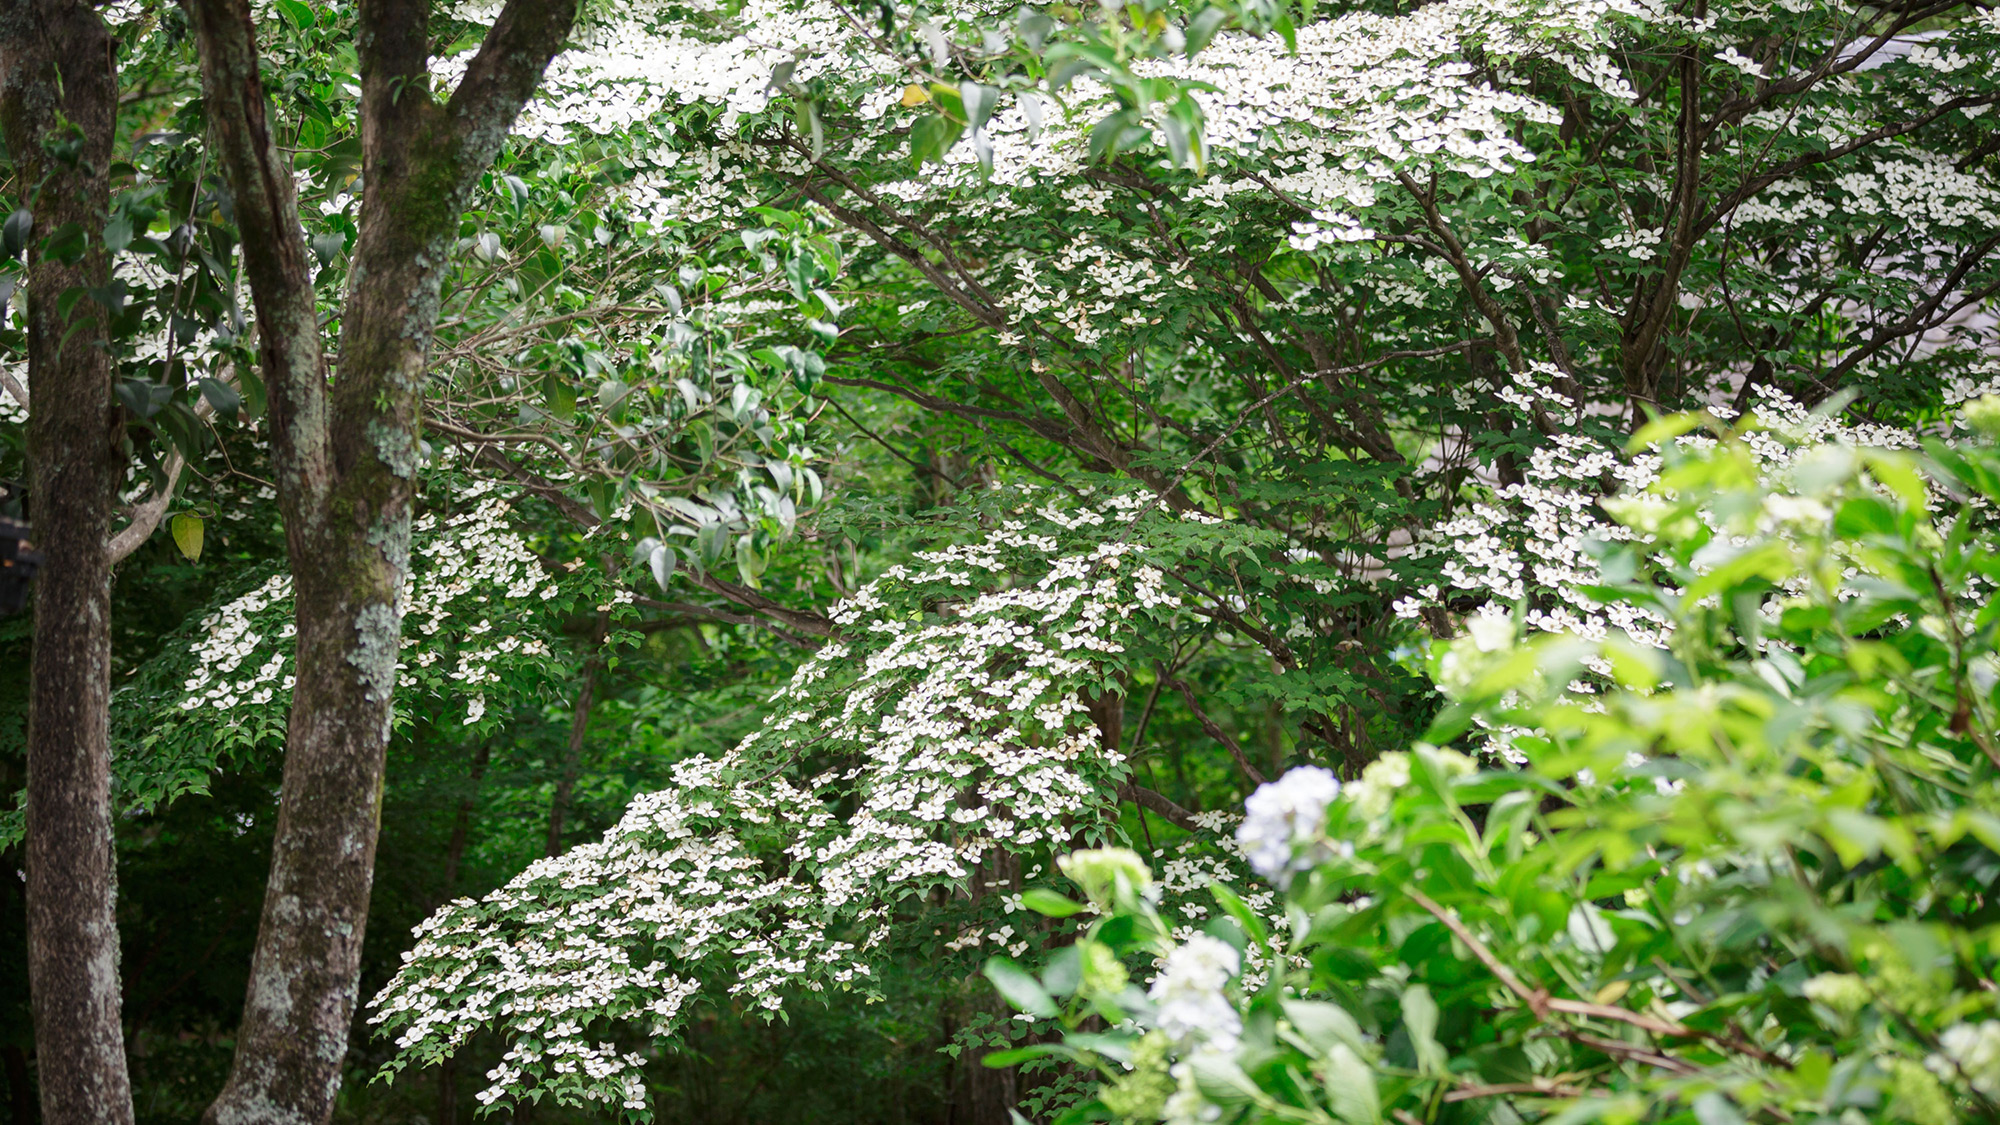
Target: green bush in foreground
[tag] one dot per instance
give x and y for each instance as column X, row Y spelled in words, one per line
column 1749, row 877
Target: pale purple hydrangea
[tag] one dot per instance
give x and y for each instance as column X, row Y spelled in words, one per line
column 1284, row 823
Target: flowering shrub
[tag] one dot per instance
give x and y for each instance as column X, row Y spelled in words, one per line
column 1533, row 542
column 1747, row 881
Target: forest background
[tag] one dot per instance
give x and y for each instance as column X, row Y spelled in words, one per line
column 1168, row 375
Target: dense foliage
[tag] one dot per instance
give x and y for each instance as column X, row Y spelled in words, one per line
column 870, row 454
column 1739, row 876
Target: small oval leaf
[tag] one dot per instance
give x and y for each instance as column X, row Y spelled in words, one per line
column 187, row 530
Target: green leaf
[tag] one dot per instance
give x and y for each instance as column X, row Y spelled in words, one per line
column 118, row 232
column 1042, row 900
column 1350, row 1087
column 1660, row 431
column 327, row 245
column 1019, row 1055
column 932, row 136
column 1020, row 989
column 559, row 396
column 806, row 112
column 1203, row 27
column 186, row 528
column 15, row 232
column 750, row 562
column 979, row 101
column 1236, row 908
column 1322, row 1025
column 661, row 561
column 711, row 541
column 1420, row 1022
column 221, row 396
column 142, row 398
column 1715, row 1108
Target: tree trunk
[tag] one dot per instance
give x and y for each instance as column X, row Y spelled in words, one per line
column 454, row 857
column 58, row 107
column 346, row 462
column 586, row 696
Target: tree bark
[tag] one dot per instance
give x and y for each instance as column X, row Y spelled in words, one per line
column 346, row 459
column 58, row 108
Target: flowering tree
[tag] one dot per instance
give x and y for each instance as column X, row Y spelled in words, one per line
column 1348, row 309
column 1402, row 259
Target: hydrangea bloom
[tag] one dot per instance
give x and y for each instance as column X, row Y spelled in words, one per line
column 1284, row 823
column 1974, row 1051
column 1192, row 1006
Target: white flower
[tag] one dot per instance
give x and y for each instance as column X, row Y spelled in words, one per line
column 1972, row 1050
column 1283, row 822
column 1189, row 991
column 1372, row 795
column 1491, row 631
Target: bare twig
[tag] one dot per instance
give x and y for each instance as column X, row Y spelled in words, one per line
column 1549, row 1090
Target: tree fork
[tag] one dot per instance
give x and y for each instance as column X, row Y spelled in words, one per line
column 347, row 462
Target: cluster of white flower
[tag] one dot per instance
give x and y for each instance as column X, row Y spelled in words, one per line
column 1192, row 1006
column 1973, row 1051
column 1532, row 542
column 948, row 723
column 231, row 637
column 1361, row 97
column 471, row 564
column 467, row 601
column 1284, row 824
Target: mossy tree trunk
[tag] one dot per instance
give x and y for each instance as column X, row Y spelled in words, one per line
column 58, row 107
column 345, row 454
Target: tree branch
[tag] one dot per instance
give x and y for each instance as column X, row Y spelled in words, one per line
column 1542, row 1004
column 712, row 614
column 274, row 252
column 1216, row 732
column 803, row 621
column 14, row 387
column 1504, row 336
column 146, row 517
column 502, row 77
column 1159, row 806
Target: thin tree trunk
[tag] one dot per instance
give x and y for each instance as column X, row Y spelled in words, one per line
column 461, row 823
column 454, row 856
column 586, row 696
column 346, row 460
column 58, row 108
